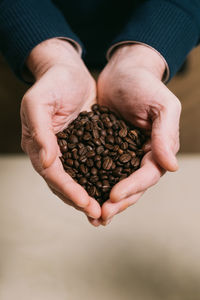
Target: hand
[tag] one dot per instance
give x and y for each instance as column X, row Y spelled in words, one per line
column 62, row 89
column 131, row 85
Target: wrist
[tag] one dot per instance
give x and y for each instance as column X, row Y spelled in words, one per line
column 139, row 56
column 49, row 53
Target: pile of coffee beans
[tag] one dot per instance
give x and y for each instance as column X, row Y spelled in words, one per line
column 99, row 149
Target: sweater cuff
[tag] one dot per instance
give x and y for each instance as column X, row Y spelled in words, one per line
column 166, row 28
column 25, row 24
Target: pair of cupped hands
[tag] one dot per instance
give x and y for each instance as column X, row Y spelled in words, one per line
column 131, row 85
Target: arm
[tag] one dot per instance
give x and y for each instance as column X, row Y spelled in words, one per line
column 170, row 27
column 25, row 24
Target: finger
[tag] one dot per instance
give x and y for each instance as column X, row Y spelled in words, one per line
column 57, row 178
column 94, row 222
column 39, row 121
column 145, row 177
column 93, row 210
column 110, row 209
column 165, row 134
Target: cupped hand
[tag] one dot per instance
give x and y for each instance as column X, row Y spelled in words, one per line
column 131, row 85
column 63, row 88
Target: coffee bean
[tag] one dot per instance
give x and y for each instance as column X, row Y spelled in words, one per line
column 98, row 164
column 95, row 133
column 95, row 107
column 69, row 162
column 91, row 153
column 83, row 169
column 107, row 164
column 110, row 139
column 87, row 136
column 73, row 139
column 124, row 158
column 94, row 179
column 62, row 135
column 103, row 132
column 83, row 180
column 91, row 190
column 76, row 164
column 123, row 132
column 63, row 145
column 99, row 149
column 94, row 171
column 82, row 151
column 90, row 163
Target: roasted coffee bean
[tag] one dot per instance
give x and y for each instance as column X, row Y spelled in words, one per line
column 123, row 132
column 103, row 132
column 73, row 139
column 83, row 158
column 99, row 184
column 83, row 180
column 91, row 153
column 82, row 151
column 71, row 146
column 94, row 178
column 124, row 146
column 95, row 107
column 88, row 126
column 75, row 153
column 87, row 136
column 63, row 145
column 99, row 149
column 69, row 162
column 107, row 163
column 91, row 190
column 83, row 169
column 61, row 135
column 110, row 132
column 95, row 133
column 110, row 139
column 102, row 139
column 94, row 171
column 105, row 152
column 132, row 147
column 118, row 140
column 124, row 158
column 67, row 155
column 97, row 142
column 97, row 157
column 89, row 163
column 76, row 164
column 98, row 164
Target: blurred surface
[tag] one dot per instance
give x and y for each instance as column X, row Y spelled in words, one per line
column 186, row 87
column 49, row 251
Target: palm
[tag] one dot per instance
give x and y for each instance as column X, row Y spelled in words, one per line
column 47, row 108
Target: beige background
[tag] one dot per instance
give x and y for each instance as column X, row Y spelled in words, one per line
column 49, row 251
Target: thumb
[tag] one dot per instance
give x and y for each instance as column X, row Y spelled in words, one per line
column 165, row 135
column 39, row 123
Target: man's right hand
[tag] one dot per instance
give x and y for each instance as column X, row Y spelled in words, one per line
column 63, row 88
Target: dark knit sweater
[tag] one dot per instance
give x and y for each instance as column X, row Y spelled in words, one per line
column 171, row 27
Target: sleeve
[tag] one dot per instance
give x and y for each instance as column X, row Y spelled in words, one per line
column 172, row 28
column 26, row 23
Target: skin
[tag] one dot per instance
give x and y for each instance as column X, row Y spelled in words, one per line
column 131, row 85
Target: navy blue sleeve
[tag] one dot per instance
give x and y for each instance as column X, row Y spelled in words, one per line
column 171, row 27
column 26, row 23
